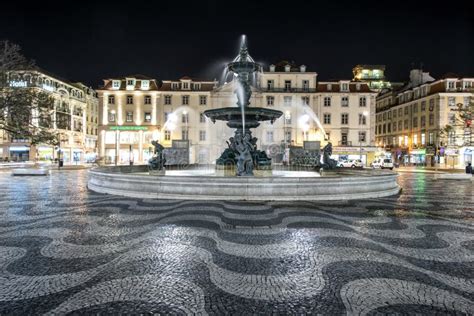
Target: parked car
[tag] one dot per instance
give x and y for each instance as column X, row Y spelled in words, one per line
column 352, row 163
column 382, row 163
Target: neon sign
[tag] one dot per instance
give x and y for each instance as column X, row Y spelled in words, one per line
column 18, row 84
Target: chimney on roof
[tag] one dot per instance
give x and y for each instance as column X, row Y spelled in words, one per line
column 302, row 68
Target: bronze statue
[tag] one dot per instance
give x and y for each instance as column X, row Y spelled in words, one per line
column 157, row 161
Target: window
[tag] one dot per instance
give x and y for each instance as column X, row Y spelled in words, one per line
column 345, row 101
column 362, row 101
column 288, row 136
column 147, row 117
column 305, row 85
column 270, row 84
column 415, row 108
column 451, row 118
column 110, row 137
column 405, row 124
column 431, row 105
column 423, row 121
column 185, row 99
column 129, row 116
column 400, row 126
column 466, row 101
column 394, row 113
column 451, row 138
column 389, row 128
column 287, row 100
column 184, row 134
column 362, row 119
column 167, row 99
column 430, row 138
column 147, row 99
column 384, row 115
column 327, row 118
column 394, row 126
column 406, row 140
column 329, row 87
column 186, row 85
column 415, row 139
column 129, row 99
column 111, row 99
column 175, row 86
column 343, row 138
column 415, row 122
column 202, row 136
column 451, row 85
column 344, row 87
column 384, row 129
column 406, row 110
column 287, row 85
column 451, row 101
column 166, row 116
column 362, row 137
column 167, row 135
column 423, row 140
column 431, row 119
column 184, row 118
column 269, row 136
column 202, row 118
column 116, row 84
column 327, row 101
column 423, row 106
column 202, row 100
column 196, row 86
column 344, row 118
column 145, row 84
column 389, row 115
column 270, row 100
column 111, row 117
column 305, row 100
column 130, row 82
column 400, row 112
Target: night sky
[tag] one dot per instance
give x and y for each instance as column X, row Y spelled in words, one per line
column 169, row 39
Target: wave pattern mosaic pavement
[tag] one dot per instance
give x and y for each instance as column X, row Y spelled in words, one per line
column 64, row 249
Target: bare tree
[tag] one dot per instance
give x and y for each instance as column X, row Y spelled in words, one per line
column 25, row 112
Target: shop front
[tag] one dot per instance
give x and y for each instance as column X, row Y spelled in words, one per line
column 467, row 155
column 418, row 157
column 19, row 153
column 45, row 153
column 366, row 154
column 451, row 156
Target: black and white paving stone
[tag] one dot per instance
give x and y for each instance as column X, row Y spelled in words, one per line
column 64, row 249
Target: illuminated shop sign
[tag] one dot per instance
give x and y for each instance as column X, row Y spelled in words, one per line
column 18, row 84
column 129, row 128
column 48, row 88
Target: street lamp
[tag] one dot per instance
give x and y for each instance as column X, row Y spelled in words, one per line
column 364, row 115
column 116, row 135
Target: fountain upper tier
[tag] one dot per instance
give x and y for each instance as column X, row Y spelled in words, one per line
column 233, row 116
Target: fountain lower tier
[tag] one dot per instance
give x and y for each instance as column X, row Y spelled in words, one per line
column 251, row 117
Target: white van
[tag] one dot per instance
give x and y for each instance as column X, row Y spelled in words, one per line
column 382, row 163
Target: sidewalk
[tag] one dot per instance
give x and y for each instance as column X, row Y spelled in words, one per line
column 418, row 169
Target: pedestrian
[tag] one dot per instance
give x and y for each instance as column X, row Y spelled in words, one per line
column 469, row 168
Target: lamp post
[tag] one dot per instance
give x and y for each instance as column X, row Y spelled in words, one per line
column 364, row 116
column 116, row 135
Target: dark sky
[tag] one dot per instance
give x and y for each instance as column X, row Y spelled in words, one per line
column 168, row 39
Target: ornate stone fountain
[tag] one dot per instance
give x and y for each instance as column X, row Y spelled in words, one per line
column 242, row 148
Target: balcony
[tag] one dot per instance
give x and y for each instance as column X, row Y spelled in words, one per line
column 344, row 143
column 289, row 90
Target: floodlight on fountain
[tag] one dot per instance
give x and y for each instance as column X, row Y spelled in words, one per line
column 304, row 120
column 365, row 113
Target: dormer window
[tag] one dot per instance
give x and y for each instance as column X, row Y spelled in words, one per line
column 196, row 86
column 344, row 86
column 302, row 68
column 145, row 84
column 116, row 84
column 272, row 68
column 451, row 85
column 175, row 86
column 329, row 87
column 467, row 84
column 130, row 83
column 287, row 68
column 358, row 86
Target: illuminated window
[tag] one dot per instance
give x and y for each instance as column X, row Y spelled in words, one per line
column 415, row 139
column 116, row 84
column 185, row 99
column 147, row 117
column 145, row 84
column 167, row 99
column 423, row 138
column 406, row 140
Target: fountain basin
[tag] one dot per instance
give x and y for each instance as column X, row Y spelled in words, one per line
column 297, row 185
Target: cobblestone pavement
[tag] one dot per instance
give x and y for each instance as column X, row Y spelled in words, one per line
column 64, row 249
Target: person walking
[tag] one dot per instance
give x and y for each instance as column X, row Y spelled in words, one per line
column 469, row 168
